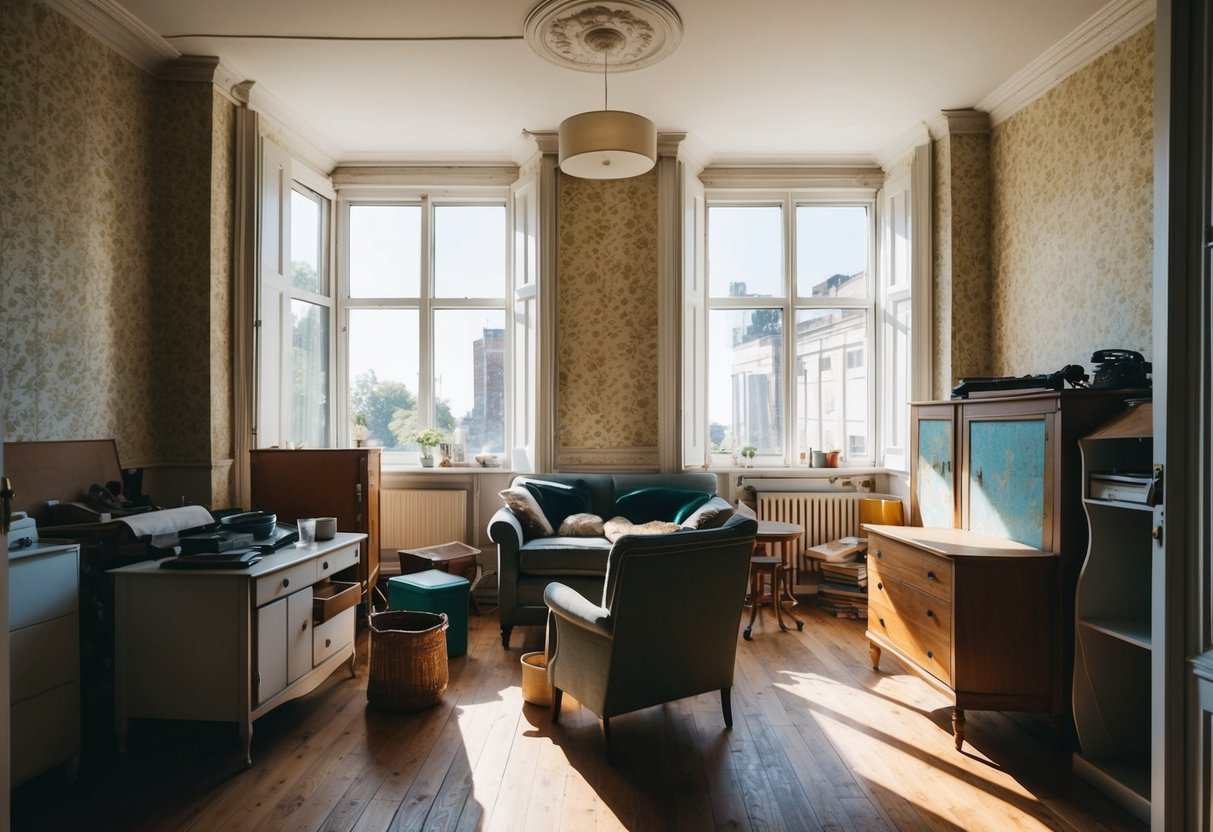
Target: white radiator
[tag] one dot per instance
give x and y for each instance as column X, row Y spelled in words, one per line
column 410, row 518
column 824, row 516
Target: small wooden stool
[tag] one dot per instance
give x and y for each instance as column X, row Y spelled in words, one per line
column 761, row 565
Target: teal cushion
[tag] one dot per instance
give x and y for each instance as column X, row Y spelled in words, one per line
column 558, row 500
column 644, row 505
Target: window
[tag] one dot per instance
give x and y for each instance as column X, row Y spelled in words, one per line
column 311, row 308
column 426, row 319
column 790, row 319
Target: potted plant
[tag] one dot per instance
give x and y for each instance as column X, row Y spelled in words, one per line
column 359, row 431
column 427, row 439
column 749, row 452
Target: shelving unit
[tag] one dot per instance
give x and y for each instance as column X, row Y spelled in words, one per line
column 1112, row 620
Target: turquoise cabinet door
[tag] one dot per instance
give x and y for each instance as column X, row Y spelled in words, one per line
column 934, row 476
column 1007, row 479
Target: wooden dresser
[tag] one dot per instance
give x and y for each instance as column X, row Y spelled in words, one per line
column 974, row 615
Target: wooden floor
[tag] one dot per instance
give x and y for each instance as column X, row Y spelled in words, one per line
column 819, row 741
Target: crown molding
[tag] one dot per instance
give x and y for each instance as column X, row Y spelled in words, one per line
column 792, row 176
column 406, row 176
column 892, row 152
column 957, row 122
column 1103, row 30
column 118, row 29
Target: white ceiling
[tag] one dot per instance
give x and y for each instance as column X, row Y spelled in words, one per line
column 763, row 80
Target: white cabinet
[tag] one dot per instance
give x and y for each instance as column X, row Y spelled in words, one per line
column 44, row 658
column 1112, row 612
column 231, row 644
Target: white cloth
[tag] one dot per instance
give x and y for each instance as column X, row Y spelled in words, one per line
column 167, row 522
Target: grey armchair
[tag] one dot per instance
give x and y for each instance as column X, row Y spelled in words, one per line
column 666, row 628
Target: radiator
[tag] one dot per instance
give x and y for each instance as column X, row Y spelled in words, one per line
column 409, row 518
column 823, row 515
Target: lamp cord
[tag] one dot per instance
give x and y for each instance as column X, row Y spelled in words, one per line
column 605, row 98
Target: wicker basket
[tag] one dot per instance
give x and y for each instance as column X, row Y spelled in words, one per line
column 408, row 660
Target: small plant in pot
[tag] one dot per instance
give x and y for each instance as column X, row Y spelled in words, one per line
column 749, row 452
column 428, row 439
column 359, row 431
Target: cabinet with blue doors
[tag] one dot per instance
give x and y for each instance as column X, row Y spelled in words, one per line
column 1009, row 467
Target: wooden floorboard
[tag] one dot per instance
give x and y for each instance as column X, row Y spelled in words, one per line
column 820, row 740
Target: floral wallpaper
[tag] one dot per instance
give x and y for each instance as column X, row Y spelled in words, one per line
column 1072, row 217
column 961, row 164
column 607, row 312
column 114, row 259
column 77, row 247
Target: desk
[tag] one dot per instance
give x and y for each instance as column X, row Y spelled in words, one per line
column 773, row 532
column 229, row 645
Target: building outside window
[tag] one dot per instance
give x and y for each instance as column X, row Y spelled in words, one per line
column 425, row 311
column 791, row 310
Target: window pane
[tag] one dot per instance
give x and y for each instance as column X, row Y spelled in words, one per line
column 831, row 251
column 469, row 376
column 310, row 366
column 745, row 251
column 383, row 372
column 385, row 251
column 469, row 251
column 307, row 252
column 745, row 396
column 831, row 382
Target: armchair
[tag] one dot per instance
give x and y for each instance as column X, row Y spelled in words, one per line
column 666, row 628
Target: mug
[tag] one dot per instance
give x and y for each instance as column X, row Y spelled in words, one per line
column 819, row 459
column 326, row 528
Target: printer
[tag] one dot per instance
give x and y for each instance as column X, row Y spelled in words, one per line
column 22, row 531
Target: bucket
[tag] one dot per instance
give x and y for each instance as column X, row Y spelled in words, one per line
column 536, row 688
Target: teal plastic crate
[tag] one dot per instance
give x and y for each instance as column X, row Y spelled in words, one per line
column 435, row 591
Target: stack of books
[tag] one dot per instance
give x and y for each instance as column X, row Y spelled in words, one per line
column 844, row 587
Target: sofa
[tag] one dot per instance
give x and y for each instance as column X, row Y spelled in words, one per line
column 532, row 554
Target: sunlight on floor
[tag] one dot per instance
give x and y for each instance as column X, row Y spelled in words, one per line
column 877, row 751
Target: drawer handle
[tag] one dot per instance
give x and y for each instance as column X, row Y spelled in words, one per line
column 930, row 654
column 879, row 585
column 304, row 628
column 881, row 620
column 324, row 565
column 930, row 613
column 328, row 642
column 878, row 554
column 931, row 576
column 286, row 582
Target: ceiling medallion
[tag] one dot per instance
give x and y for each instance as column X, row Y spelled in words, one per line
column 569, row 32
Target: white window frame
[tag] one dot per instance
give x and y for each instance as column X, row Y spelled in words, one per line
column 428, row 199
column 788, row 200
column 276, row 291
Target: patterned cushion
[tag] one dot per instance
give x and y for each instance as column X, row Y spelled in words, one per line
column 528, row 512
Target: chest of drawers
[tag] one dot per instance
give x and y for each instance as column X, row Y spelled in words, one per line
column 229, row 645
column 975, row 616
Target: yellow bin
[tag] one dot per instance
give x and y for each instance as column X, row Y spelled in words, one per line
column 535, row 686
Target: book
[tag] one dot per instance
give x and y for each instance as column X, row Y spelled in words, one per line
column 846, row 548
column 242, row 559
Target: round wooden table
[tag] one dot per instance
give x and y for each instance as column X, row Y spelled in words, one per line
column 773, row 533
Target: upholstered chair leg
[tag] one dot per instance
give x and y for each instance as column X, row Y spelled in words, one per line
column 726, row 705
column 505, row 637
column 557, row 698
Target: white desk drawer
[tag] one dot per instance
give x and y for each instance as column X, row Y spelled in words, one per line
column 332, row 635
column 45, row 731
column 42, row 587
column 46, row 655
column 336, row 561
column 285, row 582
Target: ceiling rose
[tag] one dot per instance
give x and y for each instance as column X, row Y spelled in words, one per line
column 570, row 33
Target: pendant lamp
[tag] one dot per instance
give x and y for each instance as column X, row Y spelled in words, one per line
column 586, row 35
column 606, row 143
